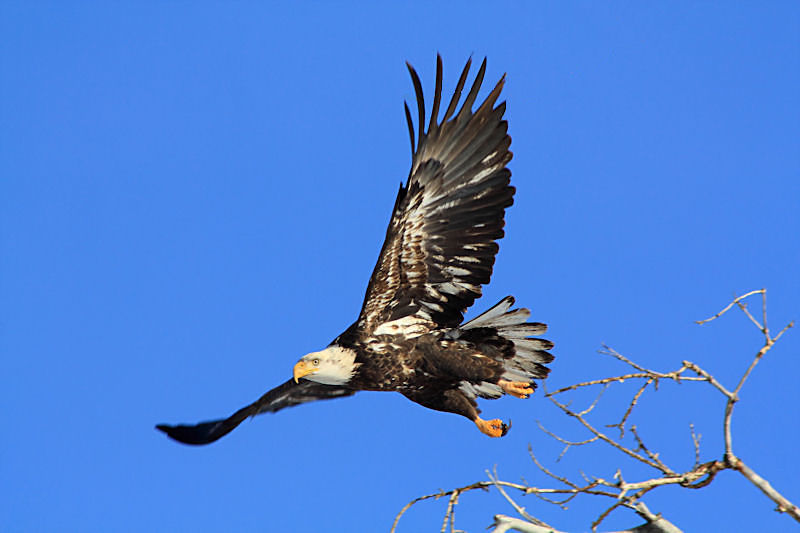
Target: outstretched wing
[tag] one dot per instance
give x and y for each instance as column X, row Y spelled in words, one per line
column 286, row 395
column 440, row 245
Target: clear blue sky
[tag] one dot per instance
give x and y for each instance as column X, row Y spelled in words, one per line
column 192, row 196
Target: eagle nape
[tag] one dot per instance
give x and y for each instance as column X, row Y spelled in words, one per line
column 439, row 252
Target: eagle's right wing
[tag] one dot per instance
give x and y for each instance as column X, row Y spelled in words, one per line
column 286, row 395
column 441, row 242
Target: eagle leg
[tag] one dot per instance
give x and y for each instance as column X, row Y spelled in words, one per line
column 493, row 428
column 518, row 389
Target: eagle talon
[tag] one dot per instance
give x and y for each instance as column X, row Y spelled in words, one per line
column 517, row 389
column 493, row 428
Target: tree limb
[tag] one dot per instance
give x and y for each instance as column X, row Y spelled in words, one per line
column 623, row 493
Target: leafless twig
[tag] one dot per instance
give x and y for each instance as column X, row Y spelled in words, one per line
column 696, row 442
column 624, row 493
column 727, row 307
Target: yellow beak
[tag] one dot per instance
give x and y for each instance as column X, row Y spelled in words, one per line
column 301, row 370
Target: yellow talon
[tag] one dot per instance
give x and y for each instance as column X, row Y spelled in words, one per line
column 518, row 389
column 493, row 428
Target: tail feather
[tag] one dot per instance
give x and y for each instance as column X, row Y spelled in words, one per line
column 486, row 317
column 484, row 389
column 529, row 355
column 511, row 318
column 520, row 331
column 534, row 346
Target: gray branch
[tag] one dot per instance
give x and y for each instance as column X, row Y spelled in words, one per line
column 622, row 493
column 503, row 523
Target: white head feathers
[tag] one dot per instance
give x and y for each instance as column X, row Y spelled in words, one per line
column 332, row 366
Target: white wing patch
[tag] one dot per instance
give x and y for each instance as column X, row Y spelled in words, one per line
column 409, row 326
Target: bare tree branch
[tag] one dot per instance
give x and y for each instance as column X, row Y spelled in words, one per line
column 521, row 510
column 784, row 505
column 696, row 442
column 727, row 307
column 621, row 423
column 600, row 435
column 567, row 444
column 623, row 493
column 503, row 523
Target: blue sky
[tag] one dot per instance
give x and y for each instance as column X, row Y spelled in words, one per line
column 193, row 195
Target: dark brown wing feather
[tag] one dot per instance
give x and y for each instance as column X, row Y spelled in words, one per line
column 440, row 245
column 286, row 395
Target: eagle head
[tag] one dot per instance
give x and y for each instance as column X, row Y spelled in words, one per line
column 332, row 366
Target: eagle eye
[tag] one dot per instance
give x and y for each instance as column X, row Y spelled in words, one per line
column 315, row 362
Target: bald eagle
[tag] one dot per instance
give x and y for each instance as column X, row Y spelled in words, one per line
column 439, row 250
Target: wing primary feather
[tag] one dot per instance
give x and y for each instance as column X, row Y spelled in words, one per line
column 473, row 92
column 410, row 128
column 492, row 98
column 457, row 93
column 282, row 396
column 420, row 101
column 208, row 432
column 440, row 244
column 464, row 152
column 437, row 96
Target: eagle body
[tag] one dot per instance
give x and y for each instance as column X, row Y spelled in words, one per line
column 439, row 251
column 446, row 368
column 409, row 365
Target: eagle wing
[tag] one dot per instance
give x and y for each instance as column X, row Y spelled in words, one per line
column 286, row 395
column 440, row 245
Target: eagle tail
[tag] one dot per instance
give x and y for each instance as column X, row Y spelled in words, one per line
column 530, row 354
